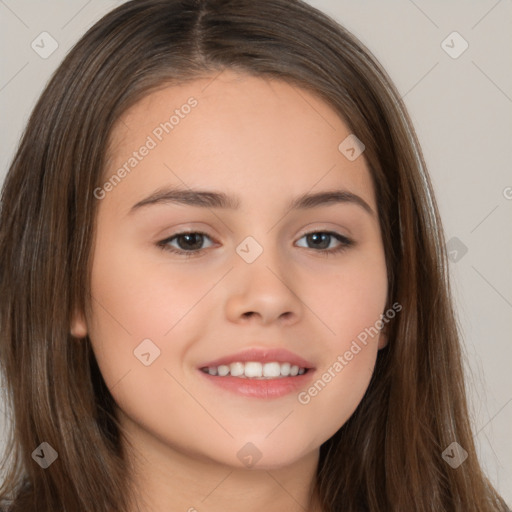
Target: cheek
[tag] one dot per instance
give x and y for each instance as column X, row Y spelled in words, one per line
column 350, row 298
column 132, row 303
column 349, row 304
column 135, row 295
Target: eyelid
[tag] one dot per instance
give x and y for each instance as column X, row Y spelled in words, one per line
column 303, row 233
column 314, row 227
column 185, row 232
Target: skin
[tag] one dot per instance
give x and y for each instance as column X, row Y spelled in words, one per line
column 266, row 142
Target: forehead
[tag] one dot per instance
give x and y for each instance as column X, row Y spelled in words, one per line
column 242, row 131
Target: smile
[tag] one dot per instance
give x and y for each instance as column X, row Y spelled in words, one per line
column 255, row 370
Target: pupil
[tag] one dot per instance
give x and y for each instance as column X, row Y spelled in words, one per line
column 189, row 237
column 316, row 236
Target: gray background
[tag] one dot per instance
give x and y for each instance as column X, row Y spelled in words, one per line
column 461, row 108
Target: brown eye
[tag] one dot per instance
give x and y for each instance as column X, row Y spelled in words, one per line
column 188, row 243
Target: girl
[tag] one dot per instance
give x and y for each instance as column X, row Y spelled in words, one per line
column 302, row 354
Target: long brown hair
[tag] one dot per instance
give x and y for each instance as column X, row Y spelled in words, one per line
column 388, row 455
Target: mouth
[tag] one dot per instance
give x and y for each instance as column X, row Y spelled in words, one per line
column 259, row 373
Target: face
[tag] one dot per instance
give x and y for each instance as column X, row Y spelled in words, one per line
column 183, row 283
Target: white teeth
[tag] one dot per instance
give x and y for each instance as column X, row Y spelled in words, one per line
column 253, row 369
column 223, row 370
column 271, row 370
column 236, row 369
column 285, row 369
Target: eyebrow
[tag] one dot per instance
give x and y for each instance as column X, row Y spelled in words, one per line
column 214, row 199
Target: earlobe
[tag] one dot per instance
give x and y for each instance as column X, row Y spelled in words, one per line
column 383, row 340
column 78, row 327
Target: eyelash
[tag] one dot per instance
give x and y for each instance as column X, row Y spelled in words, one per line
column 345, row 243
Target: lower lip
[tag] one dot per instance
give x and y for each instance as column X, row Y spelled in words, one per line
column 261, row 388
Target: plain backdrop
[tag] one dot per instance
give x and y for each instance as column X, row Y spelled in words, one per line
column 461, row 105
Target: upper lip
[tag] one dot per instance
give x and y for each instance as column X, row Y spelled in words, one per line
column 263, row 356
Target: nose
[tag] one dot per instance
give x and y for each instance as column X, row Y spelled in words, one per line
column 262, row 292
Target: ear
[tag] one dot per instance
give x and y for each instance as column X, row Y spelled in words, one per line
column 383, row 339
column 78, row 328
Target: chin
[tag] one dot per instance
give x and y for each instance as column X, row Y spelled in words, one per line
column 268, row 455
